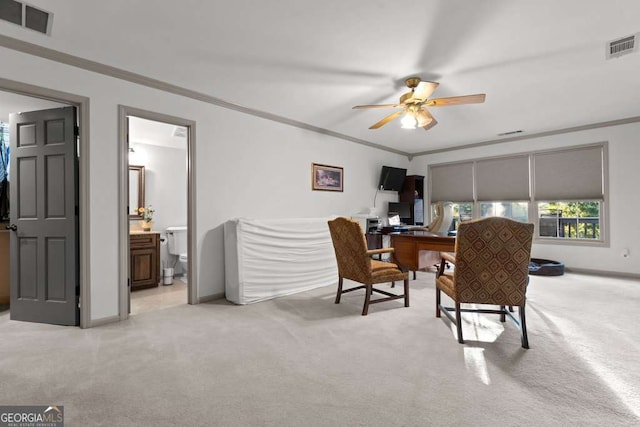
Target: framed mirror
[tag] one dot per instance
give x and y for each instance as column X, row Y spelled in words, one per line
column 136, row 191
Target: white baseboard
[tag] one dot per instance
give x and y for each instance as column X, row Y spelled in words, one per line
column 211, row 297
column 103, row 321
column 603, row 273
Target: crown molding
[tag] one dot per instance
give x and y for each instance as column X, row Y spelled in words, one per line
column 118, row 73
column 609, row 123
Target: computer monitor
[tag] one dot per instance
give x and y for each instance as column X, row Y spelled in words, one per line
column 402, row 209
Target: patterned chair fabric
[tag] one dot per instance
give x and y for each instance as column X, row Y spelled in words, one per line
column 355, row 263
column 491, row 267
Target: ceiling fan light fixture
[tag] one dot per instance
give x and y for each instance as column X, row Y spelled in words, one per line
column 423, row 119
column 409, row 121
column 415, row 113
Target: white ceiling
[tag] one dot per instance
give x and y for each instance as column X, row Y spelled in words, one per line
column 143, row 131
column 541, row 63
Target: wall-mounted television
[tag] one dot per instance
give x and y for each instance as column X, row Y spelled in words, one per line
column 391, row 179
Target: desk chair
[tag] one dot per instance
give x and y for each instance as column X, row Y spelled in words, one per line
column 440, row 224
column 355, row 263
column 491, row 267
column 444, row 216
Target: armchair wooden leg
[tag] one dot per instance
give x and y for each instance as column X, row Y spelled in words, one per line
column 440, row 271
column 523, row 327
column 438, row 299
column 406, row 292
column 459, row 323
column 367, row 298
column 339, row 290
column 503, row 317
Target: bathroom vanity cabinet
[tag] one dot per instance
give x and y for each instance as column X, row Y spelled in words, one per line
column 144, row 253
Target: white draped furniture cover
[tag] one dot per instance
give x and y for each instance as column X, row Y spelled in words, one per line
column 269, row 258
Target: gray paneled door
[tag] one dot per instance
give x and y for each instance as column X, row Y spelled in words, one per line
column 44, row 203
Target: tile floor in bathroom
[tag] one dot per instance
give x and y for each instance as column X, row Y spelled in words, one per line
column 163, row 296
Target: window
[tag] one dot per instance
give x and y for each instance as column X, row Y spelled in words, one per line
column 569, row 190
column 562, row 191
column 462, row 211
column 514, row 210
column 569, row 220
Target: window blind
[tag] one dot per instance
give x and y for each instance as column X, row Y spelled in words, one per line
column 504, row 179
column 575, row 174
column 453, row 183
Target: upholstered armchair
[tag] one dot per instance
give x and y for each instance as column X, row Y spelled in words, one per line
column 491, row 267
column 355, row 263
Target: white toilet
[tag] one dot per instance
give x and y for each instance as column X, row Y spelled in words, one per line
column 177, row 245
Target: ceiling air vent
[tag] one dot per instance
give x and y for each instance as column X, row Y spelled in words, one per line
column 622, row 46
column 26, row 16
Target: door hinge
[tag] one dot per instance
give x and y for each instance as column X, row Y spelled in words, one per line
column 76, row 130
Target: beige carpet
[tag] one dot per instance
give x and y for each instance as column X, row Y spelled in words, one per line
column 304, row 361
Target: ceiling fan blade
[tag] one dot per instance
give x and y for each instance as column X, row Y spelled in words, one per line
column 456, row 100
column 360, row 107
column 424, row 117
column 430, row 125
column 386, row 119
column 424, row 90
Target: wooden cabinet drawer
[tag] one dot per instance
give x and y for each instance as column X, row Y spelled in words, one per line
column 144, row 256
column 143, row 240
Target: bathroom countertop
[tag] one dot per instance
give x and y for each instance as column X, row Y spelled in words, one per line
column 143, row 232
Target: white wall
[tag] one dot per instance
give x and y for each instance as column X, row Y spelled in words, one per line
column 624, row 201
column 165, row 183
column 245, row 167
column 261, row 169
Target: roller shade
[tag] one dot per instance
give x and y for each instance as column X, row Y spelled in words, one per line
column 575, row 174
column 504, row 179
column 452, row 183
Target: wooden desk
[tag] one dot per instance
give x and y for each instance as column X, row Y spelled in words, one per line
column 375, row 238
column 419, row 250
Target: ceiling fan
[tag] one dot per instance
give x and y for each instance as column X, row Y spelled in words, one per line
column 413, row 105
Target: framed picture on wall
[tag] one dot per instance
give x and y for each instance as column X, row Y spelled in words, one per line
column 326, row 178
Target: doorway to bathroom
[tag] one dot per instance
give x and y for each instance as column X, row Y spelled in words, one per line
column 157, row 168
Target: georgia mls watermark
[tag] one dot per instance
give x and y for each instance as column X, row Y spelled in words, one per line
column 31, row 416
